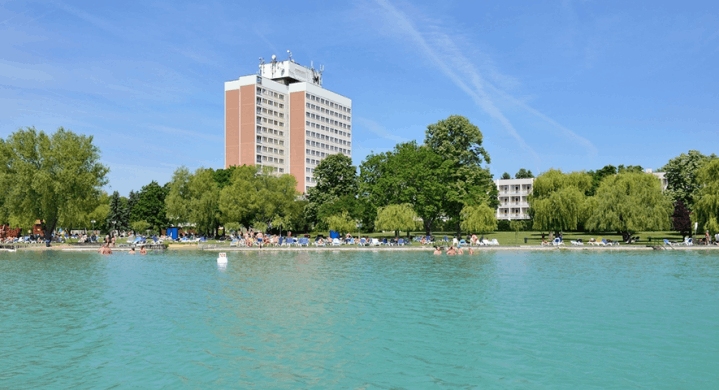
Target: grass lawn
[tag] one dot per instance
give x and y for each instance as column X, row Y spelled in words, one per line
column 504, row 238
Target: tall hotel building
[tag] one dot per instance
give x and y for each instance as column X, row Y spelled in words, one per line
column 283, row 119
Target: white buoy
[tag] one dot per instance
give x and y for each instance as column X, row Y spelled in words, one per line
column 222, row 260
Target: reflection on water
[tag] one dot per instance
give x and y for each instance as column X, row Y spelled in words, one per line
column 335, row 319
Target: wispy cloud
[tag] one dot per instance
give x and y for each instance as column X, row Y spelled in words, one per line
column 441, row 48
column 186, row 133
column 378, row 130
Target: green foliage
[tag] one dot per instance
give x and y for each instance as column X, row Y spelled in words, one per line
column 118, row 212
column 409, row 174
column 342, row 223
column 681, row 173
column 558, row 201
column 231, row 227
column 630, row 202
column 204, row 198
column 396, row 217
column 150, row 206
column 140, row 227
column 253, row 197
column 335, row 192
column 706, row 206
column 99, row 215
column 55, row 178
column 523, row 174
column 506, row 176
column 479, row 219
column 177, row 202
column 456, row 139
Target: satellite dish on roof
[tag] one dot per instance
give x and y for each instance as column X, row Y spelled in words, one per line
column 274, row 57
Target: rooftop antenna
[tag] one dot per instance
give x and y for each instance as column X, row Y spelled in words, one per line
column 289, row 53
column 262, row 63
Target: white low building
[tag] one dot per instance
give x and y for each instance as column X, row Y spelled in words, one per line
column 513, row 195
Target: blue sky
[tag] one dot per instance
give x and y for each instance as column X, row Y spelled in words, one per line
column 552, row 84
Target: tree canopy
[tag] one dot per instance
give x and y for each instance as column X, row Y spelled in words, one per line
column 630, row 202
column 706, row 206
column 396, row 217
column 55, row 178
column 253, row 198
column 523, row 174
column 558, row 201
column 150, row 206
column 506, row 176
column 479, row 219
column 682, row 172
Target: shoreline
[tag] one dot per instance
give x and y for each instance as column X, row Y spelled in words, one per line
column 69, row 248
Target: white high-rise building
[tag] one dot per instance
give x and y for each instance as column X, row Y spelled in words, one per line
column 284, row 119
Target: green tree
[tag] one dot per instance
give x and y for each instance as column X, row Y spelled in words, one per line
column 177, row 202
column 55, row 178
column 506, row 176
column 342, row 223
column 631, row 202
column 459, row 144
column 479, row 219
column 150, row 206
column 558, row 201
column 140, row 227
column 117, row 212
column 523, row 174
column 336, row 189
column 204, row 198
column 458, row 140
column 706, row 206
column 254, row 197
column 410, row 174
column 597, row 176
column 681, row 173
column 99, row 215
column 396, row 217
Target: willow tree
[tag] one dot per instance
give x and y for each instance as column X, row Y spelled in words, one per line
column 478, row 219
column 558, row 201
column 55, row 178
column 631, row 202
column 706, row 207
column 342, row 223
column 396, row 217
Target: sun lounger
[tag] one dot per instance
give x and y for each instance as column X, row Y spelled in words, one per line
column 486, row 242
column 400, row 242
column 557, row 242
column 336, row 242
column 577, row 243
column 375, row 242
column 494, row 242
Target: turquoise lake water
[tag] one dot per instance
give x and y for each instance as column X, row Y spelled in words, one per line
column 360, row 320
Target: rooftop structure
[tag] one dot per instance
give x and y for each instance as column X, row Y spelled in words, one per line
column 282, row 118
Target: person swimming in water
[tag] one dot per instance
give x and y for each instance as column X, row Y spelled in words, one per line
column 437, row 250
column 132, row 251
column 143, row 251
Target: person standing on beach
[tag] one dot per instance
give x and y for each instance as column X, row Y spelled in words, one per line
column 259, row 239
column 707, row 238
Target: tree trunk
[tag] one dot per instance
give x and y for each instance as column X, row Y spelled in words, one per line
column 427, row 227
column 396, row 234
column 47, row 231
column 459, row 231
